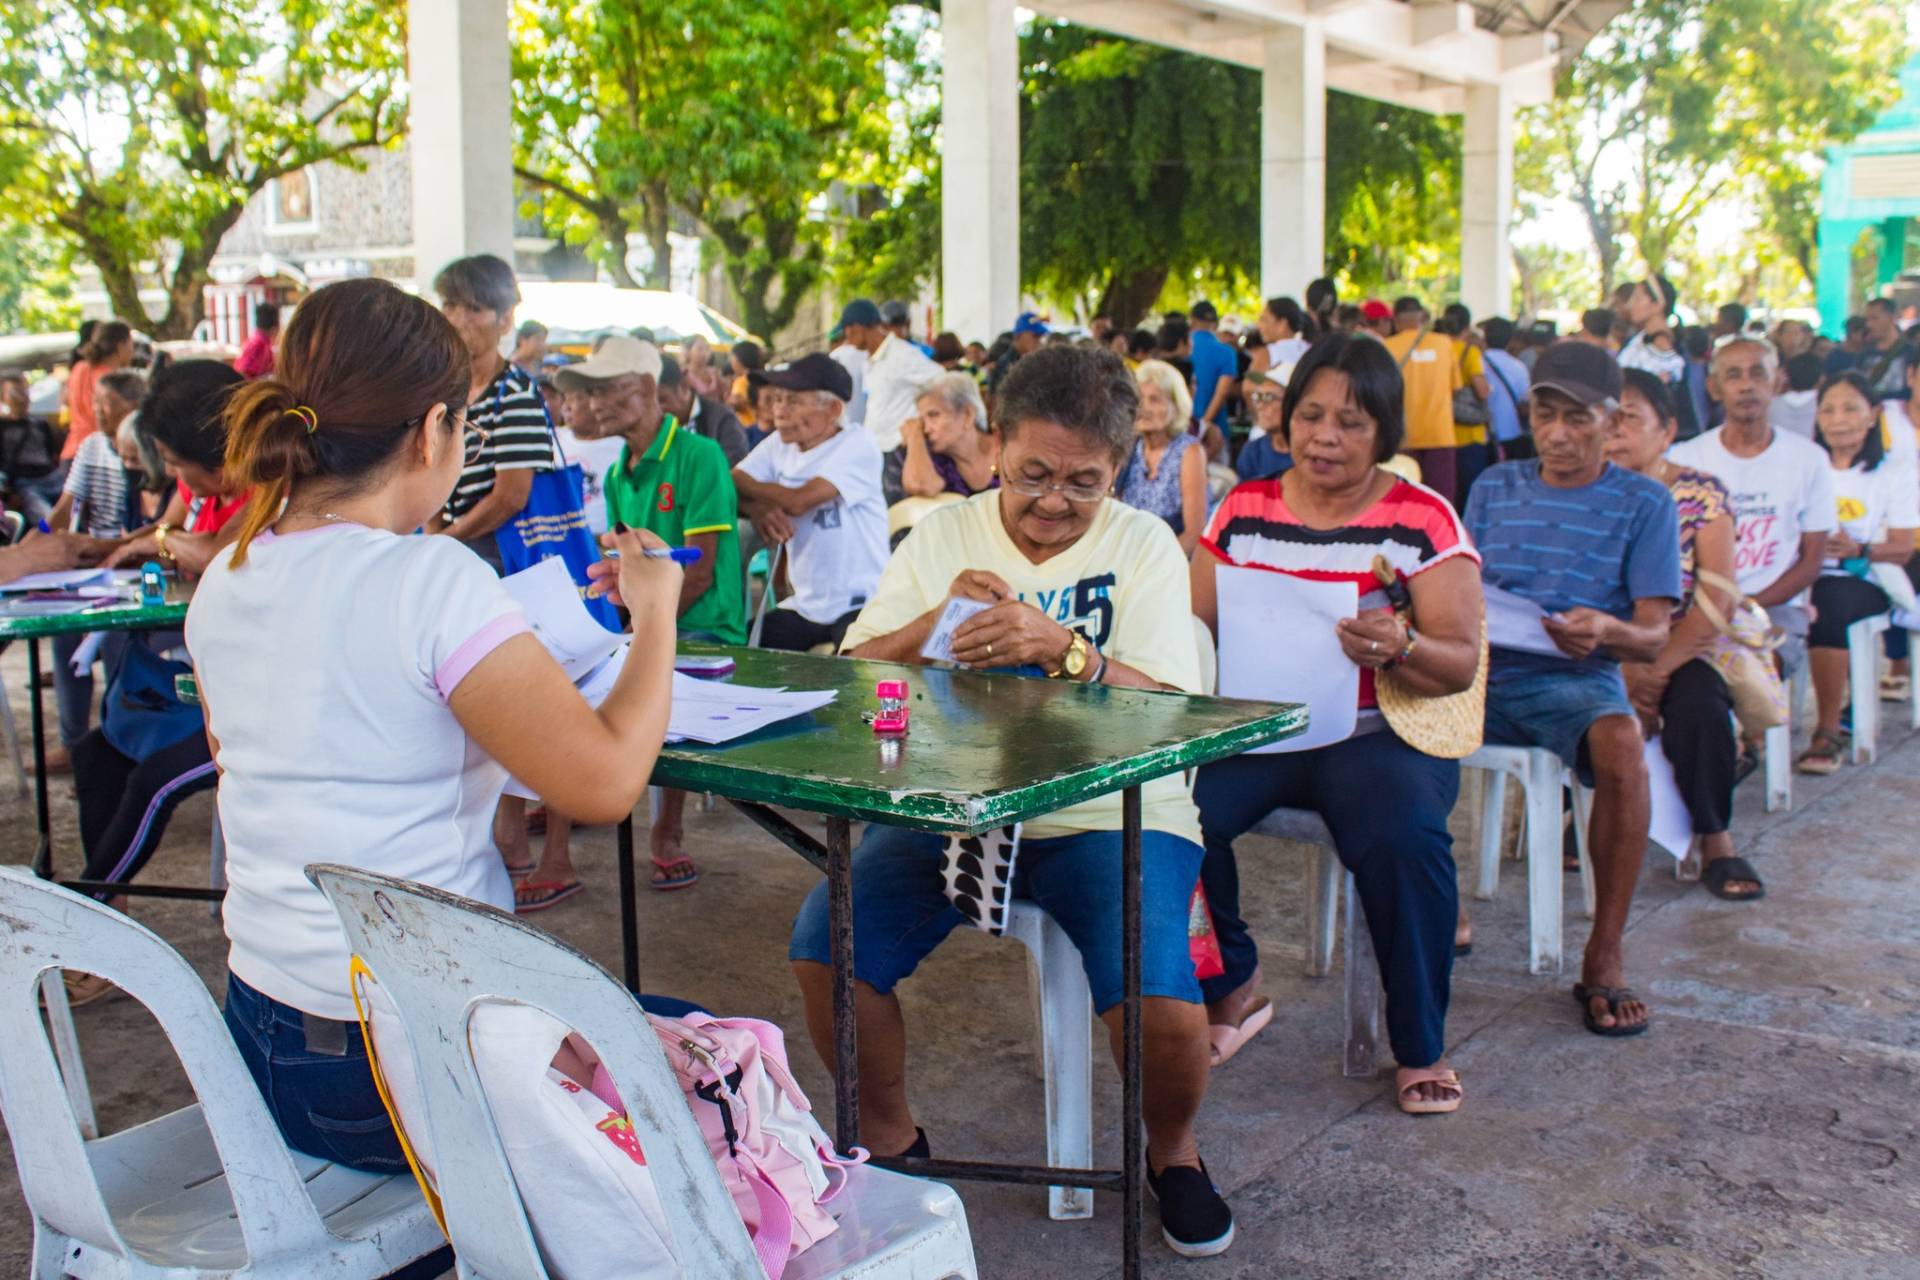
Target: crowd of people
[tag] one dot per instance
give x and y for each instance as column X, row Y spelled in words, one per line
column 345, row 502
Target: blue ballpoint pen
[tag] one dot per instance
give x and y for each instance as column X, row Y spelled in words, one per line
column 679, row 555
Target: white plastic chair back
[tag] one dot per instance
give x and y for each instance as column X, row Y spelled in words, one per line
column 438, row 957
column 50, row 928
column 908, row 512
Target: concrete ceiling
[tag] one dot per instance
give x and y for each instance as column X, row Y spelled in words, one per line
column 1418, row 53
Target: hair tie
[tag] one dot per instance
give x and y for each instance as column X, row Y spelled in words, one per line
column 306, row 415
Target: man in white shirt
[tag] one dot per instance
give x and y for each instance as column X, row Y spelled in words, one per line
column 897, row 372
column 849, row 351
column 1781, row 486
column 814, row 487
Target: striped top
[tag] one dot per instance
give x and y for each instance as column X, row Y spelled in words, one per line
column 1413, row 527
column 98, row 482
column 518, row 438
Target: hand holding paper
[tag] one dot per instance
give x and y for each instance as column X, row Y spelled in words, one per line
column 939, row 645
column 1280, row 642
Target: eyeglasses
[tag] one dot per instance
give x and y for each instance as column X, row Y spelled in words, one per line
column 1264, row 397
column 476, row 440
column 596, row 390
column 1036, row 489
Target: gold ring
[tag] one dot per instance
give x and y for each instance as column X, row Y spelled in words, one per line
column 1373, row 646
column 989, row 648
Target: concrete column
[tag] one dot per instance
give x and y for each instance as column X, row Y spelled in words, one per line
column 1833, row 274
column 1486, row 202
column 461, row 131
column 1293, row 160
column 980, row 168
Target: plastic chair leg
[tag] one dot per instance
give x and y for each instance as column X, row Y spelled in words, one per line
column 1364, row 994
column 1582, row 824
column 1066, row 1033
column 1687, row 870
column 1493, row 823
column 1863, row 679
column 66, row 1051
column 1323, row 899
column 1778, row 750
column 1543, row 863
column 13, row 741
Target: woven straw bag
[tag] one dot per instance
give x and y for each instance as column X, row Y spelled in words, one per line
column 1449, row 727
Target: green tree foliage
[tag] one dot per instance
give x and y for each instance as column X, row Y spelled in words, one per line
column 1140, row 171
column 36, row 283
column 739, row 113
column 1682, row 103
column 1136, row 162
column 136, row 132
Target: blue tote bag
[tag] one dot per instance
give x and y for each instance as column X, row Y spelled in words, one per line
column 554, row 523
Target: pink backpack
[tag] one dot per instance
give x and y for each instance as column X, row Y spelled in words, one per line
column 774, row 1158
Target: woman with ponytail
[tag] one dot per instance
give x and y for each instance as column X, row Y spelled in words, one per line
column 368, row 692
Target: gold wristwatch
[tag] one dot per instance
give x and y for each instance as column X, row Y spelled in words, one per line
column 160, row 532
column 1074, row 661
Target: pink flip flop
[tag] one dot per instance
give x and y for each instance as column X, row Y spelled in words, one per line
column 537, row 895
column 1229, row 1040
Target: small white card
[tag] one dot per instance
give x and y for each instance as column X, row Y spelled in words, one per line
column 939, row 645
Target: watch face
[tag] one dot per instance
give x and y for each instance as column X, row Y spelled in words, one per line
column 1076, row 660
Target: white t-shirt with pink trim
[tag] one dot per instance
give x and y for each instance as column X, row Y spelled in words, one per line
column 325, row 663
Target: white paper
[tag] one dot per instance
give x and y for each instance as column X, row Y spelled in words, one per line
column 1514, row 622
column 59, row 580
column 559, row 617
column 1672, row 825
column 939, row 645
column 1278, row 644
column 712, row 711
column 87, row 652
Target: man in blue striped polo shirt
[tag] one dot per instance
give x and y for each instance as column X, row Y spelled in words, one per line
column 1595, row 549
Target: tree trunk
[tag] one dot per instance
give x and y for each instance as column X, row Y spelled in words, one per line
column 1125, row 299
column 187, row 284
column 659, row 214
column 613, row 236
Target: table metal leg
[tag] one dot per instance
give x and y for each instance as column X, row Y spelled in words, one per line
column 846, row 1038
column 1133, row 1187
column 629, row 907
column 42, row 856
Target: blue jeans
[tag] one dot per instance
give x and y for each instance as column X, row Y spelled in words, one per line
column 73, row 694
column 1386, row 805
column 326, row 1104
column 901, row 913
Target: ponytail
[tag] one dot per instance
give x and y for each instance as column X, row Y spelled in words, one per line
column 268, row 447
column 361, row 366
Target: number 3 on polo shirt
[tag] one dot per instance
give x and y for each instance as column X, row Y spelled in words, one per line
column 663, row 497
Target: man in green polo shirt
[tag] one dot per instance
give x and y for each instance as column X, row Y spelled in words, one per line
column 678, row 485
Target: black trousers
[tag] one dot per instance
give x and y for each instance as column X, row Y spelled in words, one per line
column 125, row 804
column 787, row 629
column 1696, row 732
column 1839, row 601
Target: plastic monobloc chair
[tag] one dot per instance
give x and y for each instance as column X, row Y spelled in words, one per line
column 208, row 1190
column 1066, row 1029
column 890, row 1225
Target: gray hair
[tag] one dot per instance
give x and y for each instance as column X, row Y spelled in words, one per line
column 129, row 384
column 1770, row 354
column 960, row 393
column 155, row 471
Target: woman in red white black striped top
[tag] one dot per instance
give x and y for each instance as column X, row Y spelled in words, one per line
column 1385, row 802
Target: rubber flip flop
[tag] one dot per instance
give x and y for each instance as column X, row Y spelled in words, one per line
column 1717, row 873
column 666, row 880
column 523, row 871
column 1615, row 997
column 537, row 895
column 1229, row 1040
column 1414, row 1105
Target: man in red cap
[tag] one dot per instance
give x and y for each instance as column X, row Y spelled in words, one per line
column 1379, row 317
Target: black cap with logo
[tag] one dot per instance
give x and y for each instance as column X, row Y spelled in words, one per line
column 809, row 373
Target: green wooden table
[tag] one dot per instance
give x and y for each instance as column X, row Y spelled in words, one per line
column 982, row 751
column 108, row 617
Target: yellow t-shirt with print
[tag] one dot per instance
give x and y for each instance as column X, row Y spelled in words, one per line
column 1472, row 365
column 1123, row 585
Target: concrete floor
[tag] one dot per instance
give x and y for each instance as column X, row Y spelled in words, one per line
column 1764, row 1128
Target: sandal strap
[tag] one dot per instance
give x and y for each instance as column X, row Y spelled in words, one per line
column 1417, row 1076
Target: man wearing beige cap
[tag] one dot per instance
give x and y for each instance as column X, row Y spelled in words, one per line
column 676, row 484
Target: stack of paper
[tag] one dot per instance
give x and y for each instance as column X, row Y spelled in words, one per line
column 61, row 580
column 713, row 711
column 560, row 620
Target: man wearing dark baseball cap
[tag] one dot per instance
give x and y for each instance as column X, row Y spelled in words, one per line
column 859, row 332
column 814, row 488
column 1581, row 564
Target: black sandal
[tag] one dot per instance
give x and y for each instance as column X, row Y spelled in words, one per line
column 1615, row 997
column 1717, row 873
